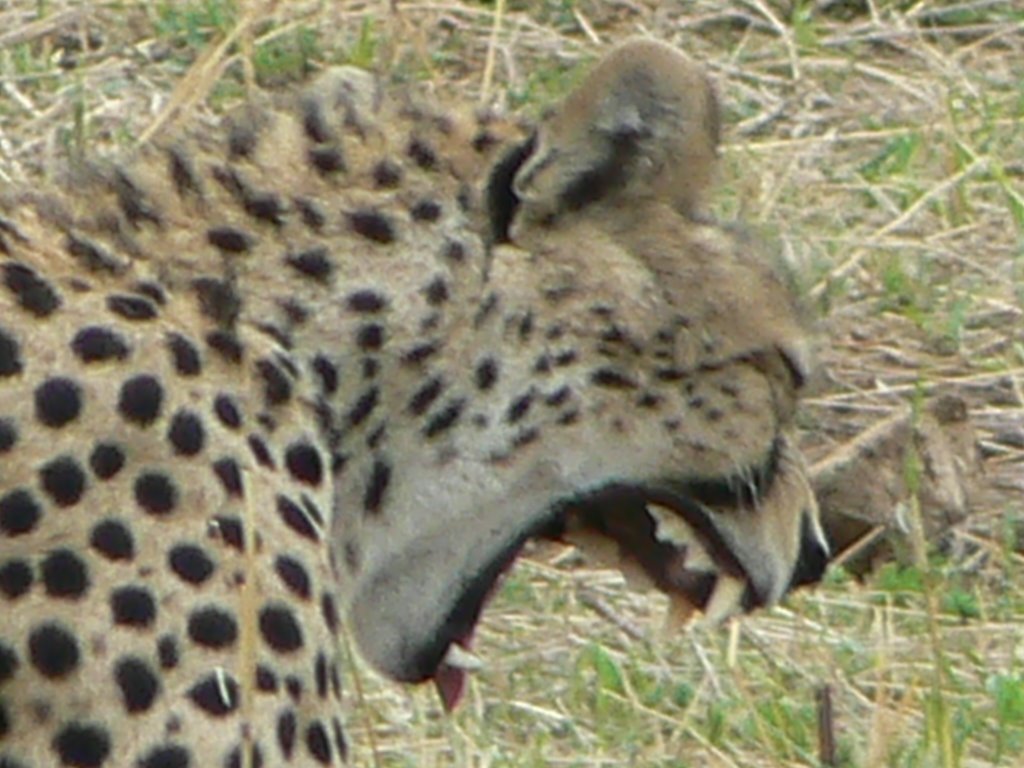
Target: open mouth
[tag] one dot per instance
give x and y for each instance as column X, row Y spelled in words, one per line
column 664, row 538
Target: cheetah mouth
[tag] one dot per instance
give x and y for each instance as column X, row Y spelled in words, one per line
column 659, row 539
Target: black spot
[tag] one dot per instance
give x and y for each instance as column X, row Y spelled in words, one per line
column 370, row 367
column 311, row 214
column 212, row 628
column 558, row 397
column 91, row 256
column 58, row 401
column 426, row 211
column 525, row 437
column 280, row 629
column 260, row 452
column 234, row 758
column 229, row 530
column 265, row 206
column 15, row 581
column 8, row 663
column 230, row 240
column 216, row 694
column 387, row 175
column 444, row 419
column 186, row 433
column 227, row 412
column 320, row 674
column 612, row 379
column 82, row 745
column 293, row 685
column 152, row 290
column 366, row 300
column 190, row 563
column 10, row 355
column 229, row 475
column 519, row 408
column 364, row 406
column 314, row 264
column 140, row 400
column 373, row 226
column 8, row 435
column 486, row 374
column 134, row 308
column 315, row 123
column 186, row 181
column 339, row 734
column 63, row 481
column 304, row 463
column 370, row 338
column 277, row 390
column 19, row 512
column 5, row 728
column 454, row 251
column 167, row 652
column 184, row 355
column 266, row 680
column 218, row 300
column 295, row 518
column 318, row 744
column 330, row 612
column 225, row 344
column 53, row 650
column 327, row 159
column 327, row 373
column 436, row 292
column 420, row 353
column 96, row 344
column 166, row 756
column 422, row 154
column 64, row 575
column 377, row 486
column 155, row 493
column 423, row 397
column 286, row 733
column 138, row 684
column 132, row 607
column 106, row 460
column 294, row 575
column 32, row 293
column 113, row 539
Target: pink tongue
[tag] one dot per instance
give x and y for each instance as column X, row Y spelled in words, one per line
column 451, row 684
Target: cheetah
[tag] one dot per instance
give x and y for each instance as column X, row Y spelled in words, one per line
column 332, row 365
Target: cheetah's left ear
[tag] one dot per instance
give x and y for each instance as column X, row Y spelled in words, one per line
column 642, row 127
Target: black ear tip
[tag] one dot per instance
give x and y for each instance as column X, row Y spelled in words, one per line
column 501, row 199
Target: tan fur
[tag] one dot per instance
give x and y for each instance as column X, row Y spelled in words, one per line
column 435, row 346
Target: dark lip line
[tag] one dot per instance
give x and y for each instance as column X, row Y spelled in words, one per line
column 688, row 499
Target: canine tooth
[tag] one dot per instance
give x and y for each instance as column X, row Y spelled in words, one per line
column 724, row 599
column 669, row 528
column 679, row 614
column 460, row 658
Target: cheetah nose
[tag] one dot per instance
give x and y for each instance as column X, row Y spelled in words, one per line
column 813, row 556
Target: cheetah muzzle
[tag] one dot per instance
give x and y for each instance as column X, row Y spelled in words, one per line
column 336, row 364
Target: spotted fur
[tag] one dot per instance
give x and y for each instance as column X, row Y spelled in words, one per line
column 343, row 357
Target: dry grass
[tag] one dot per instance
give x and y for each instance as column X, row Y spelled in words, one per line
column 881, row 144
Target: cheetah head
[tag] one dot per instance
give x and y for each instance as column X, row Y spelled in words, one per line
column 634, row 370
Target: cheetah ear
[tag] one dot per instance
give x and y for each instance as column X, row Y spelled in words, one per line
column 641, row 128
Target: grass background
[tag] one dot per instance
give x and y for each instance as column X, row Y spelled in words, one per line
column 881, row 144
